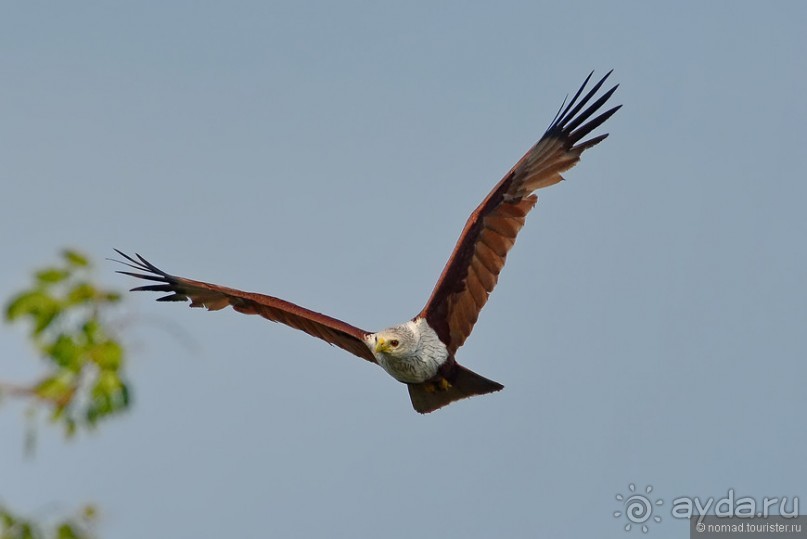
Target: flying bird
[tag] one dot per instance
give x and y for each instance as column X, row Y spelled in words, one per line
column 421, row 351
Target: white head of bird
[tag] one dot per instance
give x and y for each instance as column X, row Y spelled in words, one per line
column 410, row 352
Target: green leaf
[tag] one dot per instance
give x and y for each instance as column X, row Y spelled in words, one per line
column 80, row 293
column 26, row 530
column 52, row 275
column 65, row 352
column 29, row 303
column 100, row 406
column 46, row 317
column 108, row 355
column 57, row 387
column 108, row 383
column 91, row 330
column 36, row 304
column 66, row 531
column 7, row 519
column 74, row 258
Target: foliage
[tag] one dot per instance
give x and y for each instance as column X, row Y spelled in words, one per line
column 81, row 526
column 85, row 381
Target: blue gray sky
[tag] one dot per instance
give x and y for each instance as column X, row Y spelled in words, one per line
column 649, row 325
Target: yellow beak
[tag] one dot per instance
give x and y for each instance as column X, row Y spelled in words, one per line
column 381, row 345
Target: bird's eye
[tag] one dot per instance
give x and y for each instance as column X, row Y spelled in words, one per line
column 394, row 343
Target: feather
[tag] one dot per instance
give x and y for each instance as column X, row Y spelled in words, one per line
column 490, row 232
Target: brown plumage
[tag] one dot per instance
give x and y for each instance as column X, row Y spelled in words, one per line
column 465, row 283
column 473, row 268
column 215, row 297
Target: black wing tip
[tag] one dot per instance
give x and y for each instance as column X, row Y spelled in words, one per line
column 139, row 263
column 571, row 122
column 173, row 297
column 149, row 272
column 153, row 288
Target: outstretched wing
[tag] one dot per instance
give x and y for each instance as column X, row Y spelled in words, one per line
column 215, row 297
column 473, row 268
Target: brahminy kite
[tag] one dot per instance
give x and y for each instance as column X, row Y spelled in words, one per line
column 421, row 352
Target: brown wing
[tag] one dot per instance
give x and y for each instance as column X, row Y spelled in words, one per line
column 473, row 268
column 215, row 297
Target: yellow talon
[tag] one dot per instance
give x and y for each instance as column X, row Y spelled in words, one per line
column 440, row 385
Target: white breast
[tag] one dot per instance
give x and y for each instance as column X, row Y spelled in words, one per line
column 419, row 366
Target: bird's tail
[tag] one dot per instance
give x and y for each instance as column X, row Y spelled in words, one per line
column 459, row 384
